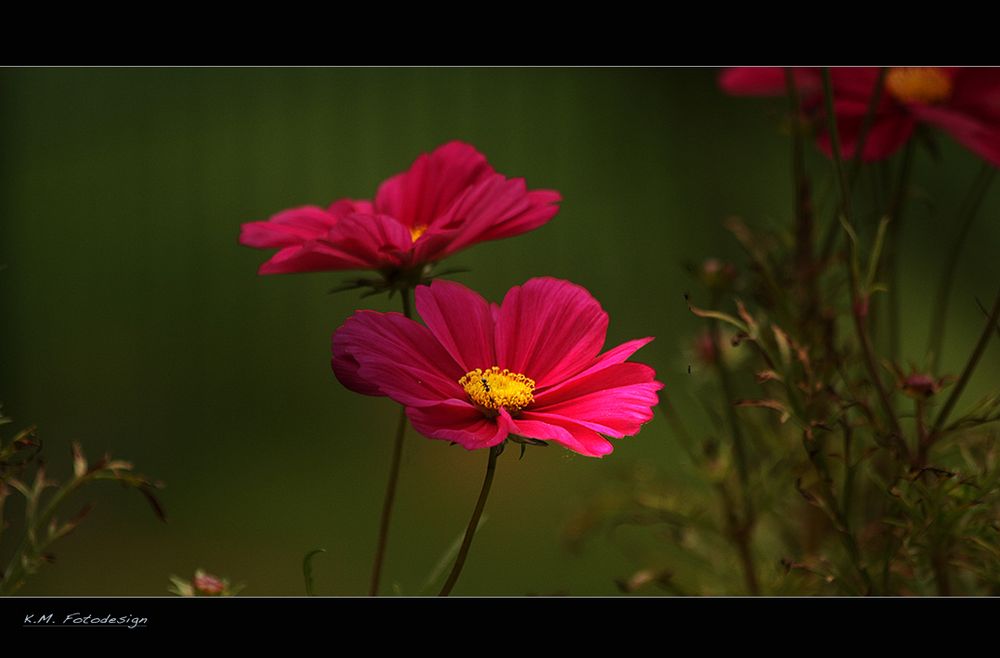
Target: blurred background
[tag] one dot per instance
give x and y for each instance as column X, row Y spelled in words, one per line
column 134, row 323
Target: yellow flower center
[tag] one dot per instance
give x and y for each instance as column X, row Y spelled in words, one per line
column 417, row 231
column 494, row 388
column 918, row 85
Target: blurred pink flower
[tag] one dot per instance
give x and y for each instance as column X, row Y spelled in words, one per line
column 479, row 372
column 448, row 200
column 206, row 583
column 963, row 102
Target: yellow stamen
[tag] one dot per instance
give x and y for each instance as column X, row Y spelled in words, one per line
column 918, row 85
column 494, row 388
column 417, row 231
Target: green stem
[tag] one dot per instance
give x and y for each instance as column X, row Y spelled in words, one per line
column 669, row 412
column 970, row 367
column 968, row 213
column 895, row 214
column 848, row 493
column 940, row 566
column 866, row 125
column 871, row 365
column 407, row 311
column 15, row 572
column 803, row 213
column 741, row 533
column 390, row 490
column 830, row 240
column 845, row 195
column 470, row 532
column 857, row 302
column 841, row 524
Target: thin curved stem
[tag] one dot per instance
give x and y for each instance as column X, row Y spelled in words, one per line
column 895, row 214
column 830, row 240
column 968, row 214
column 31, row 545
column 390, row 489
column 742, row 531
column 802, row 211
column 857, row 302
column 470, row 532
column 970, row 367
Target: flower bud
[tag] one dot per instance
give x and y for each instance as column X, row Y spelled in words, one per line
column 704, row 349
column 861, row 307
column 207, row 584
column 203, row 584
column 717, row 275
column 919, row 385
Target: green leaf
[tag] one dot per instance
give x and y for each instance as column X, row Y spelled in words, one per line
column 717, row 315
column 876, row 254
column 307, row 572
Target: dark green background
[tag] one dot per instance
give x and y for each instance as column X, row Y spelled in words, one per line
column 134, row 322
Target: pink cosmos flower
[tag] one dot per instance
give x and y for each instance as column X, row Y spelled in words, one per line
column 964, row 102
column 206, row 583
column 478, row 372
column 448, row 200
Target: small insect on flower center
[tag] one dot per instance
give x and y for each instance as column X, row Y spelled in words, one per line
column 918, row 85
column 417, row 231
column 493, row 388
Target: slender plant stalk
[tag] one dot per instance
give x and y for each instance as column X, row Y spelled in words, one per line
column 859, row 323
column 741, row 532
column 848, row 493
column 841, row 525
column 803, row 213
column 871, row 365
column 31, row 546
column 895, row 214
column 470, row 532
column 940, row 566
column 968, row 215
column 845, row 194
column 866, row 125
column 970, row 367
column 830, row 240
column 668, row 411
column 390, row 489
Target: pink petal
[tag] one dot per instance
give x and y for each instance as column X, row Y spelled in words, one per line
column 768, row 81
column 980, row 137
column 301, row 233
column 491, row 209
column 977, row 93
column 345, row 367
column 610, row 358
column 344, row 207
column 461, row 320
column 886, row 135
column 376, row 240
column 855, row 83
column 312, row 256
column 289, row 227
column 616, row 400
column 397, row 357
column 616, row 412
column 432, row 184
column 590, row 381
column 571, row 435
column 539, row 210
column 460, row 422
column 549, row 330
